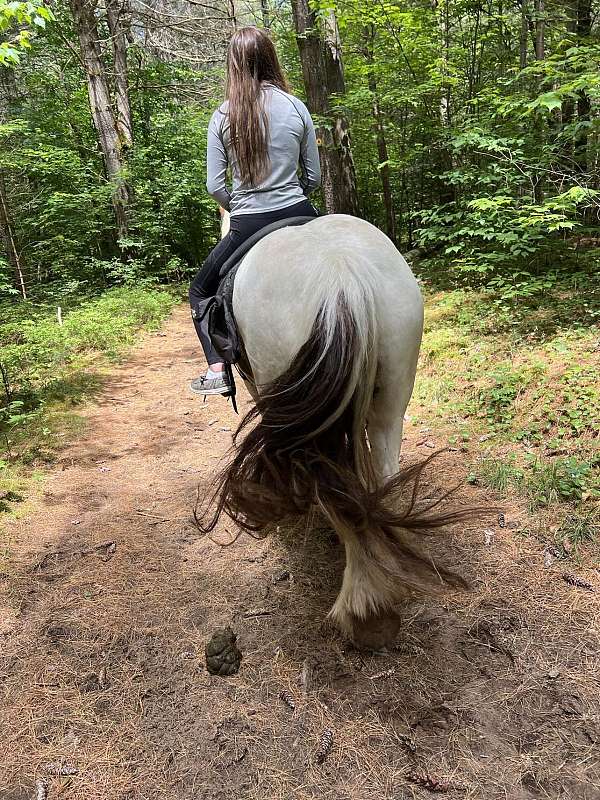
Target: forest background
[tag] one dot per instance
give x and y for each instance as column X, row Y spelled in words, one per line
column 467, row 130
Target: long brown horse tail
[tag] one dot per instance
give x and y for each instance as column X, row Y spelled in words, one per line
column 304, row 447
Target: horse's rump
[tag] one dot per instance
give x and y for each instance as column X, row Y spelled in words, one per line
column 320, row 350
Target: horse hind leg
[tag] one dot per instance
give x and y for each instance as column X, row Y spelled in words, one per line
column 386, row 420
column 364, row 607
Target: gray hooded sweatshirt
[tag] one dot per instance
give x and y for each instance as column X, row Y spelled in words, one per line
column 295, row 170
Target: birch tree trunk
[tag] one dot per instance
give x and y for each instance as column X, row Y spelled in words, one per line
column 117, row 15
column 101, row 107
column 322, row 70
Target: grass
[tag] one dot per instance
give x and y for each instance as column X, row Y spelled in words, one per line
column 543, row 482
column 521, row 376
column 49, row 369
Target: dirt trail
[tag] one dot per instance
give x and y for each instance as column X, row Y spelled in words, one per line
column 495, row 691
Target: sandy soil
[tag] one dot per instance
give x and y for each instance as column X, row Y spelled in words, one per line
column 112, row 593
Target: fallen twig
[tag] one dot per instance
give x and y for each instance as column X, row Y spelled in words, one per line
column 257, row 612
column 305, row 677
column 143, row 513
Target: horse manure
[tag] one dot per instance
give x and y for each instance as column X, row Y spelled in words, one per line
column 223, row 656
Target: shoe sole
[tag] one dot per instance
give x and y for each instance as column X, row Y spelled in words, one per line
column 204, row 392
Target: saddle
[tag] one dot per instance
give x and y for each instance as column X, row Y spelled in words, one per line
column 218, row 310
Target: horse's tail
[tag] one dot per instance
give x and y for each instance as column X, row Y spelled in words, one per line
column 309, row 450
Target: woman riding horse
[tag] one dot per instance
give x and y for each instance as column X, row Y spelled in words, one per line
column 266, row 137
column 331, row 336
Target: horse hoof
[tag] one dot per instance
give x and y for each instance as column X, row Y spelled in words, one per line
column 376, row 632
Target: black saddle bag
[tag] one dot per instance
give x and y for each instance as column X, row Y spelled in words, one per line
column 221, row 325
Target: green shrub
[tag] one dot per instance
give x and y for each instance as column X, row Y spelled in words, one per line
column 42, row 361
column 560, row 480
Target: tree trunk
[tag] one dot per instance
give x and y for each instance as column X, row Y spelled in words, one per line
column 323, row 75
column 568, row 106
column 447, row 193
column 266, row 14
column 540, row 22
column 101, row 106
column 10, row 243
column 473, row 71
column 231, row 14
column 584, row 106
column 382, row 151
column 445, row 110
column 524, row 36
column 117, row 15
column 8, row 91
column 540, row 54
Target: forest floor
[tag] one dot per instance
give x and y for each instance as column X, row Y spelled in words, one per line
column 108, row 594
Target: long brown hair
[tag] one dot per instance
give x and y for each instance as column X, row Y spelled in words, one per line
column 251, row 61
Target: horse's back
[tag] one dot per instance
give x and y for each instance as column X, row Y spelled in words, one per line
column 287, row 278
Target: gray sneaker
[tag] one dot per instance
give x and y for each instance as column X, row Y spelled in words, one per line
column 204, row 385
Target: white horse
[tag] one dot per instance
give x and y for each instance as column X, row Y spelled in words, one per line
column 331, row 319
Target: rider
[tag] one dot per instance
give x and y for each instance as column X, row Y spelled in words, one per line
column 267, row 138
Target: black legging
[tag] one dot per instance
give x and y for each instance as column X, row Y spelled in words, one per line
column 206, row 282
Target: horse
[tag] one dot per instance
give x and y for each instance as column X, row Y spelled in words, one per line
column 330, row 316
